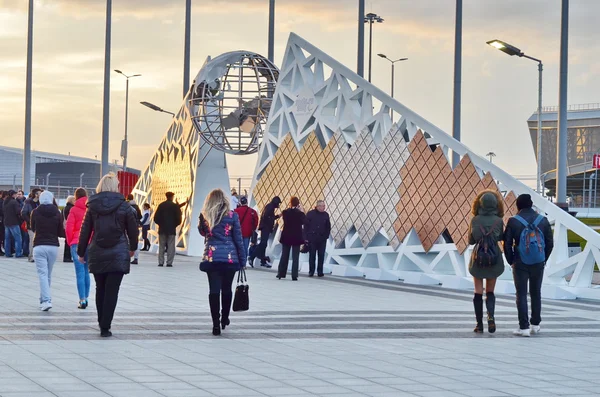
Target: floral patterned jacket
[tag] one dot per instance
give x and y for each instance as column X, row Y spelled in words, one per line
column 223, row 247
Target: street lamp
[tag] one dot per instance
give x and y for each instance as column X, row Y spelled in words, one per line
column 491, row 155
column 124, row 143
column 370, row 18
column 512, row 50
column 156, row 108
column 392, row 62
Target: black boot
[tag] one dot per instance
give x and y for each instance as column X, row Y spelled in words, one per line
column 490, row 304
column 225, row 309
column 213, row 300
column 478, row 305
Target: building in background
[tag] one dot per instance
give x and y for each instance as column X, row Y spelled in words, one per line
column 583, row 142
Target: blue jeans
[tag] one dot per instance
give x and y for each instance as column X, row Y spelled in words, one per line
column 246, row 242
column 82, row 273
column 13, row 234
column 45, row 256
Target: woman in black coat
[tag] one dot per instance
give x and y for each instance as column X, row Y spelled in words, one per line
column 65, row 213
column 292, row 237
column 112, row 226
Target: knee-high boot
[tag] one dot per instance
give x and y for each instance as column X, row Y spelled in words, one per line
column 490, row 304
column 478, row 306
column 225, row 308
column 213, row 300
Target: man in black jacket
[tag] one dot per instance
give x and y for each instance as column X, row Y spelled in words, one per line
column 266, row 227
column 317, row 230
column 12, row 225
column 167, row 217
column 527, row 273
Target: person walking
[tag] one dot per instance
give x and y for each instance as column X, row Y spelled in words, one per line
column 110, row 231
column 317, row 230
column 12, row 225
column 291, row 238
column 146, row 215
column 73, row 228
column 248, row 221
column 47, row 223
column 224, row 254
column 2, row 198
column 138, row 217
column 266, row 227
column 30, row 204
column 168, row 218
column 67, row 258
column 486, row 263
column 528, row 243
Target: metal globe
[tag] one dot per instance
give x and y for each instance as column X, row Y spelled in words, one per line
column 231, row 98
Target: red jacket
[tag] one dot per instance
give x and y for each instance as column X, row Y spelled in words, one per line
column 248, row 220
column 75, row 220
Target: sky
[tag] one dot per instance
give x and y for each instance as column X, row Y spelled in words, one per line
column 499, row 92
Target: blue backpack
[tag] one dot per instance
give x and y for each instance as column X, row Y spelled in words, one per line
column 532, row 246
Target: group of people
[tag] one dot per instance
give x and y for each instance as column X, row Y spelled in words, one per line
column 16, row 234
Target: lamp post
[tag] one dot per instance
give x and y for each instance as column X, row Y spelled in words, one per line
column 370, row 18
column 124, row 143
column 491, row 155
column 512, row 50
column 156, row 108
column 392, row 62
column 360, row 54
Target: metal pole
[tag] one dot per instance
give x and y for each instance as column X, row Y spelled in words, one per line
column 561, row 144
column 583, row 192
column 186, row 48
column 15, row 182
column 271, row 54
column 540, row 187
column 126, row 117
column 106, row 103
column 457, row 79
column 370, row 45
column 392, row 90
column 28, row 82
column 81, row 179
column 360, row 59
column 48, row 180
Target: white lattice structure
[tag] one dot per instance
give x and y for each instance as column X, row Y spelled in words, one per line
column 317, row 97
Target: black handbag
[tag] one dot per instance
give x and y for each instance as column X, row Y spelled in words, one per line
column 305, row 248
column 241, row 301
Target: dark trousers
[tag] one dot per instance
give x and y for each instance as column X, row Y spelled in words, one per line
column 314, row 249
column 532, row 275
column 107, row 294
column 219, row 282
column 285, row 258
column 67, row 253
column 261, row 250
column 145, row 229
column 2, row 236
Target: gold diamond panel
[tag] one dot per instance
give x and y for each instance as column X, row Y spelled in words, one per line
column 172, row 173
column 433, row 197
column 291, row 173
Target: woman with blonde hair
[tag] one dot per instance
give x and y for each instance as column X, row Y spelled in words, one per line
column 224, row 254
column 486, row 231
column 112, row 227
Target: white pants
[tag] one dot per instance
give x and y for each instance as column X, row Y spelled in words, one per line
column 45, row 256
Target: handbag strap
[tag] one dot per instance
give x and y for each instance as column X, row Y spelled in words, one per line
column 242, row 279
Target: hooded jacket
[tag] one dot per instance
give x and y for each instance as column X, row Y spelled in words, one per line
column 98, row 223
column 47, row 224
column 75, row 220
column 488, row 211
column 268, row 217
column 12, row 212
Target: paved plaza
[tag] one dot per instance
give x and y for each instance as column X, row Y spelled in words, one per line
column 315, row 337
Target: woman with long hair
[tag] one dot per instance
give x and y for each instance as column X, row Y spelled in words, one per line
column 74, row 222
column 292, row 237
column 486, row 231
column 224, row 254
column 111, row 232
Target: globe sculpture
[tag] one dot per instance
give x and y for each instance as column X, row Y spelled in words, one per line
column 231, row 98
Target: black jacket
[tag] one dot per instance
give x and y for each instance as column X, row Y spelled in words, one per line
column 12, row 212
column 293, row 223
column 102, row 209
column 28, row 207
column 67, row 210
column 47, row 224
column 512, row 235
column 317, row 227
column 167, row 217
column 268, row 217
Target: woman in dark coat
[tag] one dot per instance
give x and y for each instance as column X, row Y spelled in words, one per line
column 488, row 211
column 65, row 213
column 224, row 254
column 112, row 227
column 292, row 237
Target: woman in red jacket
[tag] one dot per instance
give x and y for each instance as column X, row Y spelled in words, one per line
column 74, row 222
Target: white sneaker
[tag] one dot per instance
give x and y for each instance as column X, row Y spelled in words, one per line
column 46, row 306
column 535, row 329
column 522, row 332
